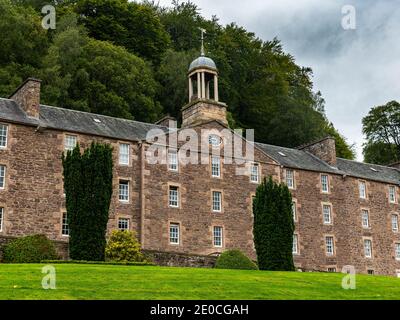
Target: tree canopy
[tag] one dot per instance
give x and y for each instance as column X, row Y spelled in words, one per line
column 130, row 60
column 382, row 130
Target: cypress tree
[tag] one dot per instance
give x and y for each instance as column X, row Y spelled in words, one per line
column 88, row 188
column 273, row 226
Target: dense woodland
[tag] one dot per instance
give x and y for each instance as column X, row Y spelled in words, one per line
column 130, row 60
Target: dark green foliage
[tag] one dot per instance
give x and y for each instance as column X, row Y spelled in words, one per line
column 382, row 130
column 112, row 263
column 235, row 259
column 273, row 226
column 380, row 153
column 29, row 249
column 134, row 26
column 88, row 189
column 127, row 59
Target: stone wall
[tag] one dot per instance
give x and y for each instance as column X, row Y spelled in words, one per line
column 175, row 259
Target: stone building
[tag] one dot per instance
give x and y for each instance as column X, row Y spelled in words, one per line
column 346, row 212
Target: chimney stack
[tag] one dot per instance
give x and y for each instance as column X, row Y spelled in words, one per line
column 324, row 149
column 27, row 96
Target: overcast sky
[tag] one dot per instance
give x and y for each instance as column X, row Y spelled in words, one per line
column 354, row 69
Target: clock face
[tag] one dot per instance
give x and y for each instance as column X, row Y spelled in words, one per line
column 214, row 140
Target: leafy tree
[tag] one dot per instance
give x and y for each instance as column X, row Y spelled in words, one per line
column 273, row 226
column 88, row 189
column 380, row 153
column 134, row 26
column 97, row 76
column 382, row 129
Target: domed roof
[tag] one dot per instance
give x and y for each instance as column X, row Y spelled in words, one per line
column 203, row 62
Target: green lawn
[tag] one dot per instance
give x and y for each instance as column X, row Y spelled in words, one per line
column 23, row 281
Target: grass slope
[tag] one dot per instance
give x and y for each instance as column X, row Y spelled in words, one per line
column 23, row 281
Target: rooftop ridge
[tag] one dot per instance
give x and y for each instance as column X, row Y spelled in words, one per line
column 368, row 164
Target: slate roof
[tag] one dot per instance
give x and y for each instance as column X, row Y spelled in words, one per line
column 105, row 126
column 78, row 121
column 300, row 159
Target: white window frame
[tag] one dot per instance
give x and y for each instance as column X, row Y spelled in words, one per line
column 255, row 173
column 1, row 218
column 368, row 248
column 324, row 184
column 327, row 215
column 173, row 163
column 173, row 196
column 392, row 194
column 123, row 193
column 362, row 189
column 215, row 166
column 289, row 177
column 124, row 154
column 216, row 201
column 123, row 224
column 174, row 233
column 294, row 210
column 64, row 225
column 68, row 146
column 397, row 250
column 329, row 245
column 3, row 135
column 3, row 172
column 218, row 236
column 395, row 222
column 365, row 218
column 295, row 247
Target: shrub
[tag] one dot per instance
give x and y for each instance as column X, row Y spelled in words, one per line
column 123, row 246
column 30, row 249
column 235, row 259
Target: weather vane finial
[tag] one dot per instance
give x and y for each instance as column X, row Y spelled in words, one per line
column 203, row 31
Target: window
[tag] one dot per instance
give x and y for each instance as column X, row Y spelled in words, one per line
column 392, row 194
column 174, row 233
column 370, row 271
column 397, row 251
column 368, row 248
column 329, row 245
column 363, row 189
column 295, row 244
column 173, row 196
column 216, row 201
column 325, row 183
column 395, row 223
column 365, row 218
column 331, row 269
column 215, row 166
column 123, row 224
column 124, row 153
column 254, row 173
column 2, row 176
column 290, row 179
column 3, row 135
column 123, row 190
column 64, row 226
column 326, row 210
column 294, row 210
column 172, row 160
column 1, row 218
column 70, row 142
column 217, row 236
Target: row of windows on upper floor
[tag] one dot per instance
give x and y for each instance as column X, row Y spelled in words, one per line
column 124, row 159
column 327, row 218
column 330, row 247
